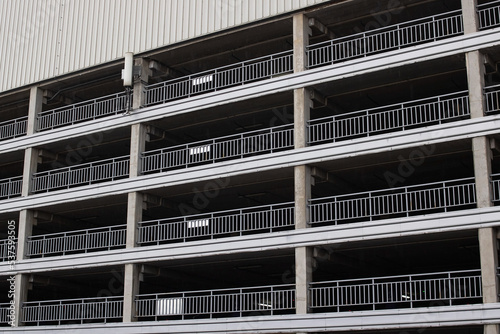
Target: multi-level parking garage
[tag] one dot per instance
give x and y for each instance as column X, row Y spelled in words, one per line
column 334, row 168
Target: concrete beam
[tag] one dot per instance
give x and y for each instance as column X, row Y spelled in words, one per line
column 423, row 319
column 46, row 155
column 153, row 131
column 49, row 96
column 46, row 217
column 160, row 69
column 153, row 201
column 494, row 144
column 318, row 99
column 316, row 25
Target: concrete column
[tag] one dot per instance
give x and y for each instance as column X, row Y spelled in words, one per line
column 26, row 223
column 134, row 215
column 140, row 81
column 489, row 263
column 131, row 285
column 138, row 137
column 304, row 267
column 301, row 33
column 471, row 20
column 20, row 296
column 481, row 152
column 302, row 174
column 31, row 160
column 35, row 106
column 488, row 250
column 475, row 78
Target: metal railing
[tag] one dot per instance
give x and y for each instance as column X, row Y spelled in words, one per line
column 397, row 36
column 102, row 238
column 71, row 310
column 5, row 313
column 89, row 173
column 13, row 128
column 396, row 117
column 219, row 224
column 492, row 99
column 393, row 202
column 489, row 15
column 4, row 249
column 220, row 78
column 237, row 302
column 82, row 111
column 410, row 291
column 495, row 184
column 219, row 149
column 11, row 187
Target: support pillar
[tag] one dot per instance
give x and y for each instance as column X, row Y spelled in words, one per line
column 304, row 261
column 140, row 82
column 31, row 160
column 31, row 157
column 470, row 18
column 26, row 222
column 475, row 79
column 35, row 107
column 135, row 205
column 20, row 297
column 131, row 284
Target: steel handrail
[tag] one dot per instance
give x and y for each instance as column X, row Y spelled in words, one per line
column 13, row 128
column 210, row 151
column 391, row 117
column 11, row 187
column 206, row 225
column 40, row 244
column 397, row 42
column 40, row 178
column 72, row 113
column 207, row 82
column 489, row 14
column 330, row 209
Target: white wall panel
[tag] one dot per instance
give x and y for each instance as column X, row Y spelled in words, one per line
column 42, row 39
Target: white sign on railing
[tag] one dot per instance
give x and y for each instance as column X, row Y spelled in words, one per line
column 169, row 306
column 202, row 80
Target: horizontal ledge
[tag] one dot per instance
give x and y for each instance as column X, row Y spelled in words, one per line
column 326, row 235
column 440, row 316
column 465, row 129
column 350, row 68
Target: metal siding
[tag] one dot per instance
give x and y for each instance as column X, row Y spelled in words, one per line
column 42, row 39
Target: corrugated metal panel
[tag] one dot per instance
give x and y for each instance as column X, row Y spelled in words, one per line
column 41, row 39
